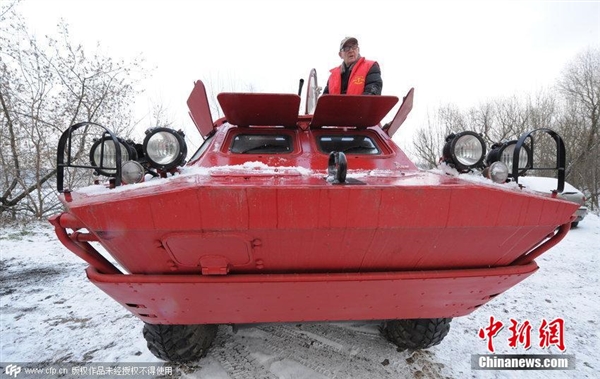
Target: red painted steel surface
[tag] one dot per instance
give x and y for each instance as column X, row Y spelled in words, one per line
column 81, row 248
column 197, row 299
column 307, row 226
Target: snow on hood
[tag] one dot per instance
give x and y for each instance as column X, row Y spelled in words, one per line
column 256, row 168
column 190, row 173
column 260, row 168
column 473, row 177
column 545, row 185
column 530, row 184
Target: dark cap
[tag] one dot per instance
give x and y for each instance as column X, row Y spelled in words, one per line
column 346, row 40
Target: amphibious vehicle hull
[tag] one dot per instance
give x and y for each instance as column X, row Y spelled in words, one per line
column 270, row 221
column 422, row 245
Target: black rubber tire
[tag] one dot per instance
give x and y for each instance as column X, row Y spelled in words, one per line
column 574, row 224
column 179, row 343
column 416, row 334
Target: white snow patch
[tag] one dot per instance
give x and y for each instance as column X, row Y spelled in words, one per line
column 190, row 173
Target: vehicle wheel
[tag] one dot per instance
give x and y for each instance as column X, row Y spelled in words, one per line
column 416, row 334
column 574, row 224
column 179, row 343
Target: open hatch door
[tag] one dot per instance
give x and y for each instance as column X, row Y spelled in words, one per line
column 405, row 108
column 351, row 110
column 200, row 109
column 263, row 109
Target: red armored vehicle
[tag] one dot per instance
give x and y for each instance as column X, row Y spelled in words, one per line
column 295, row 216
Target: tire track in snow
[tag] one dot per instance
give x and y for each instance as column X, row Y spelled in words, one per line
column 235, row 358
column 348, row 339
column 332, row 359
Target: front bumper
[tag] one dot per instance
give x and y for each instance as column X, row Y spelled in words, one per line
column 198, row 299
column 580, row 213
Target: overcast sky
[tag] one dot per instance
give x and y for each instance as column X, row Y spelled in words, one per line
column 461, row 52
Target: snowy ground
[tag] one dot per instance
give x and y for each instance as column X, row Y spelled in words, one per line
column 51, row 314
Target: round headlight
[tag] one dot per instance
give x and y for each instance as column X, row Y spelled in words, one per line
column 132, row 172
column 103, row 155
column 465, row 150
column 504, row 152
column 165, row 148
column 498, row 172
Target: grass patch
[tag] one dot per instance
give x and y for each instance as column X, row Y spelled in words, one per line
column 17, row 236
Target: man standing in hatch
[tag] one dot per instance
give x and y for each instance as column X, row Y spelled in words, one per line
column 356, row 75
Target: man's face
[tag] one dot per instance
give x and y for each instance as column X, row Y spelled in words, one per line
column 350, row 53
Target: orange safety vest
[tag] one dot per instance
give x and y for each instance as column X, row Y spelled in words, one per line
column 356, row 81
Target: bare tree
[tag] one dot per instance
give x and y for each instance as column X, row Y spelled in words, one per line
column 497, row 120
column 580, row 85
column 44, row 88
column 429, row 140
column 6, row 7
column 216, row 84
column 573, row 110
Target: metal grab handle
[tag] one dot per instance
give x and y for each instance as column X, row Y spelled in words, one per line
column 560, row 156
column 337, row 167
column 65, row 143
